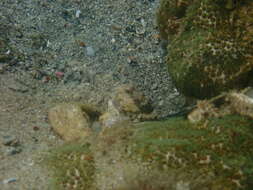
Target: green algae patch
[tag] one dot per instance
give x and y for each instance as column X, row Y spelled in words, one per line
column 217, row 152
column 202, row 65
column 72, row 166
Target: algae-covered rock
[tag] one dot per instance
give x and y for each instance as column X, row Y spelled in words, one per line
column 240, row 103
column 169, row 17
column 211, row 45
column 70, row 121
column 216, row 154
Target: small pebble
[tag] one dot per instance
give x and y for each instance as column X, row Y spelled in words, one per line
column 78, row 12
column 2, row 69
column 10, row 141
column 18, row 87
column 96, row 126
column 161, row 103
column 154, row 86
column 36, row 128
column 90, row 51
column 13, row 150
column 10, row 180
column 59, row 74
column 113, row 40
column 143, row 23
column 8, row 52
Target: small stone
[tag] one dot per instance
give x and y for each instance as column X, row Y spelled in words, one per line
column 161, row 103
column 70, row 121
column 143, row 23
column 2, row 69
column 18, row 87
column 154, row 86
column 36, row 128
column 112, row 116
column 182, row 185
column 10, row 180
column 130, row 100
column 59, row 74
column 96, row 126
column 249, row 92
column 113, row 40
column 78, row 12
column 90, row 51
column 10, row 141
column 13, row 150
column 241, row 104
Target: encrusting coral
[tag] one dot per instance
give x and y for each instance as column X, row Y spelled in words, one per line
column 218, row 152
column 169, row 17
column 211, row 45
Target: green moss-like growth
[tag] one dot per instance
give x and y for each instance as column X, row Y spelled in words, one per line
column 72, row 166
column 208, row 64
column 211, row 47
column 215, row 154
column 169, row 16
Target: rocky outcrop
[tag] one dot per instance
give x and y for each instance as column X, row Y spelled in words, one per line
column 70, row 121
column 240, row 103
column 210, row 49
column 73, row 121
column 127, row 103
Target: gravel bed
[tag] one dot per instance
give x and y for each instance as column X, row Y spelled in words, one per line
column 93, row 45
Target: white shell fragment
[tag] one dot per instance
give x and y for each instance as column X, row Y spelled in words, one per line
column 78, row 12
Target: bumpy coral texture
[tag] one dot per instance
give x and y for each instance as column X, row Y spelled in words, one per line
column 170, row 15
column 211, row 46
column 216, row 154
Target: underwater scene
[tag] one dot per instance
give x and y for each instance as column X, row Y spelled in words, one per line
column 126, row 95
